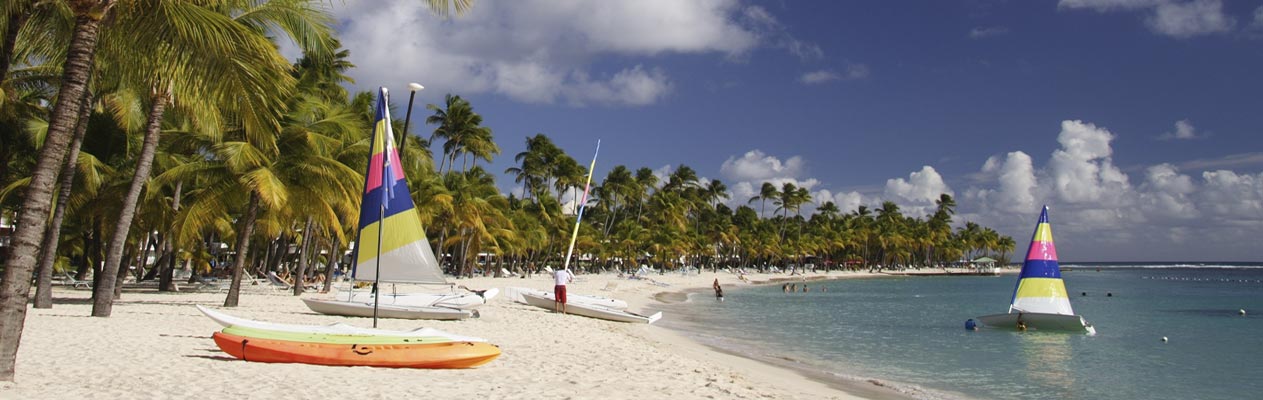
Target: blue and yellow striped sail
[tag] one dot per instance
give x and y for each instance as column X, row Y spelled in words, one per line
column 1040, row 288
column 405, row 254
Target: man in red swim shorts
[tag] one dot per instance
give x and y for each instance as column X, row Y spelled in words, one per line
column 560, row 278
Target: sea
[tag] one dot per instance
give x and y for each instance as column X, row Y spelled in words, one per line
column 1164, row 331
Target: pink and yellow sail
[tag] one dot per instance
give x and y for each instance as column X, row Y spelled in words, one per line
column 1040, row 288
column 405, row 255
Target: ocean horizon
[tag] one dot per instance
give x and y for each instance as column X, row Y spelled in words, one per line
column 908, row 333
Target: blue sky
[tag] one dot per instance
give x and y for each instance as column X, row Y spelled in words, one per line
column 1138, row 121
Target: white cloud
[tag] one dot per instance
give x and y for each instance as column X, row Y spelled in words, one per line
column 1108, row 5
column 846, row 201
column 541, row 51
column 917, row 194
column 1082, row 170
column 1184, row 129
column 1017, row 183
column 1166, row 193
column 1179, row 19
column 820, row 76
column 1184, row 20
column 984, row 32
column 853, row 71
column 1258, row 18
column 755, row 165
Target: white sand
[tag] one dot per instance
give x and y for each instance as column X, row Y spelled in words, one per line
column 158, row 346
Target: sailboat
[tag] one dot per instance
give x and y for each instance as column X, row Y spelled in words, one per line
column 1040, row 301
column 404, row 256
column 588, row 306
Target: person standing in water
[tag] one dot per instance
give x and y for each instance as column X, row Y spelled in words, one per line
column 719, row 291
column 560, row 278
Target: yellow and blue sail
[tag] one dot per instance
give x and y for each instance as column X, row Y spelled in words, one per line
column 1039, row 287
column 387, row 211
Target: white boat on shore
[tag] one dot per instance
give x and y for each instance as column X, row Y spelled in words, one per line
column 366, row 309
column 458, row 300
column 391, row 246
column 517, row 294
column 226, row 320
column 590, row 310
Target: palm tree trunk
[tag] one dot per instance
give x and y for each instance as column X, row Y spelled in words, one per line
column 15, row 287
column 243, row 245
column 52, row 236
column 334, row 257
column 103, row 305
column 16, row 21
column 167, row 274
column 302, row 259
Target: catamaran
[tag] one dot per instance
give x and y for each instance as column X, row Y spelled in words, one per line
column 1040, row 301
column 588, row 306
column 404, row 256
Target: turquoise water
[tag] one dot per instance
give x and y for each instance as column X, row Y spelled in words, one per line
column 909, row 332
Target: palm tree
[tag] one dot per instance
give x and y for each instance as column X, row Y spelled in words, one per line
column 768, row 191
column 20, row 263
column 242, row 63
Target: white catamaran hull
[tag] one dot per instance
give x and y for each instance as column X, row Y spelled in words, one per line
column 358, row 309
column 590, row 310
column 226, row 320
column 517, row 294
column 460, row 301
column 1039, row 322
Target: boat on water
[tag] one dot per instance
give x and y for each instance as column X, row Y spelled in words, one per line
column 1039, row 301
column 430, row 355
column 391, row 246
column 590, row 310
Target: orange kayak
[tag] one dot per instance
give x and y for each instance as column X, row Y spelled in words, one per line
column 433, row 355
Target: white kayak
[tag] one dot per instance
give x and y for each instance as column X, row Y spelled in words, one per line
column 226, row 320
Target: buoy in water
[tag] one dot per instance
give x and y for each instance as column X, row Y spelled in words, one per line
column 1164, row 339
column 1241, row 312
column 1085, row 293
column 1109, row 295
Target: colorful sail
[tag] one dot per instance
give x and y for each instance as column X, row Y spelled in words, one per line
column 1040, row 288
column 582, row 204
column 405, row 254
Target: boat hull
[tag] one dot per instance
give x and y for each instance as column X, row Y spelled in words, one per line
column 460, row 301
column 436, row 355
column 226, row 321
column 589, row 310
column 333, row 338
column 355, row 309
column 517, row 293
column 1038, row 322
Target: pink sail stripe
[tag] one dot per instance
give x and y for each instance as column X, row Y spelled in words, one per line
column 1042, row 251
column 375, row 171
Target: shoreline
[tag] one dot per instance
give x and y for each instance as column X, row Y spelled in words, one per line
column 157, row 345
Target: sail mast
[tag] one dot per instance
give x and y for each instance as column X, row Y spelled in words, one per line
column 582, row 204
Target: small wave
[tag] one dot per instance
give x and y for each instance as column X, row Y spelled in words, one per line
column 1165, row 266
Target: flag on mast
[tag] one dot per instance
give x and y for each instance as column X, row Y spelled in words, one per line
column 583, row 203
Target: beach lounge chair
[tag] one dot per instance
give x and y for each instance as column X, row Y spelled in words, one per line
column 77, row 284
column 611, row 286
column 275, row 282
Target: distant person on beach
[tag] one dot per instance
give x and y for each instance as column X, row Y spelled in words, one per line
column 719, row 291
column 560, row 278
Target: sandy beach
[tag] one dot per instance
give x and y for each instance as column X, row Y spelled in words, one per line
column 158, row 346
